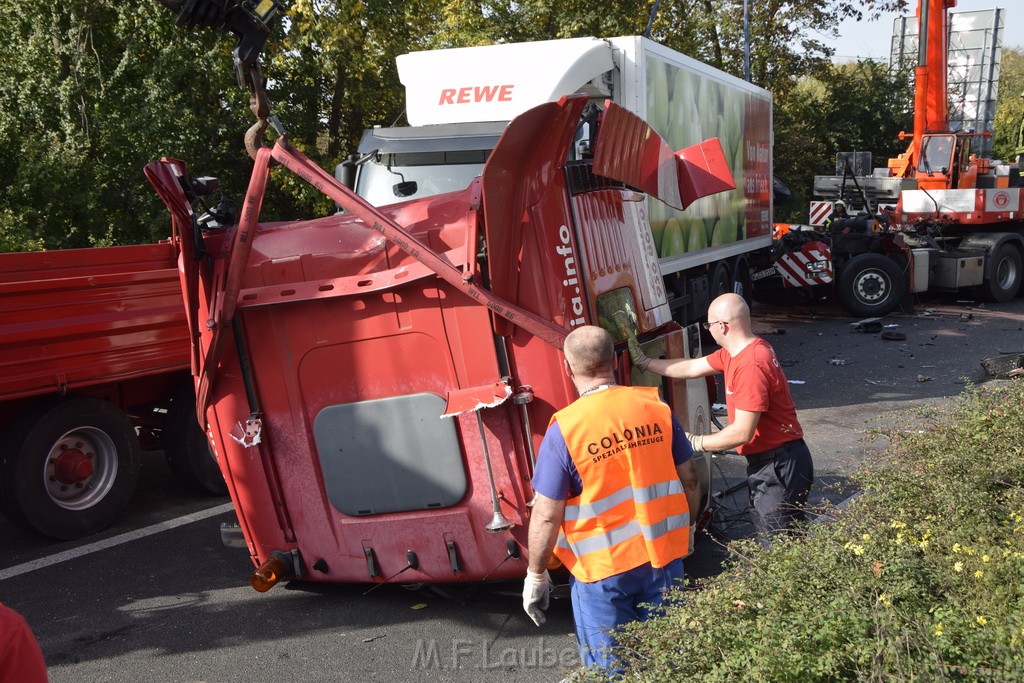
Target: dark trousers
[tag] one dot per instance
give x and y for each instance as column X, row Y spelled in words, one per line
column 779, row 480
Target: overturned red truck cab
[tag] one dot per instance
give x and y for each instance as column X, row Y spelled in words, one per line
column 375, row 383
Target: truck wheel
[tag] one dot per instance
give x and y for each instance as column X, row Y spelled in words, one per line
column 69, row 468
column 1006, row 275
column 741, row 280
column 186, row 448
column 721, row 279
column 871, row 285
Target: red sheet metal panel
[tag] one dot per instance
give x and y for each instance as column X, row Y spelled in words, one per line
column 338, row 323
column 628, row 150
column 82, row 317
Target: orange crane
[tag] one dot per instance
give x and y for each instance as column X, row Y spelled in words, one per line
column 956, row 223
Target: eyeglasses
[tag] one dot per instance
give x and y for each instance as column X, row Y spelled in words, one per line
column 707, row 325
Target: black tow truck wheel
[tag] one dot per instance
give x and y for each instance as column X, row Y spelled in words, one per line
column 1005, row 282
column 871, row 285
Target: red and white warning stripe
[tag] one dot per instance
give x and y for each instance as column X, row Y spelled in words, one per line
column 819, row 212
column 812, row 265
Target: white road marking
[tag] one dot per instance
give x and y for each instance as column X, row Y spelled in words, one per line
column 120, row 539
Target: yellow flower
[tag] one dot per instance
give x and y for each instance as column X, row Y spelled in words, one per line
column 865, row 537
column 897, row 524
column 884, row 599
column 956, row 547
column 985, row 558
column 981, row 621
column 938, row 629
column 978, row 574
column 923, row 543
column 899, row 538
column 958, row 567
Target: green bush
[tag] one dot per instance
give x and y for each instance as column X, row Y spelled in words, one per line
column 920, row 578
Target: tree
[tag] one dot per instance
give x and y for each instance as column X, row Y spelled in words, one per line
column 857, row 106
column 94, row 89
column 1009, row 105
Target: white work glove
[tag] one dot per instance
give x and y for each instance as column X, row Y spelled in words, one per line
column 536, row 595
column 696, row 442
column 636, row 354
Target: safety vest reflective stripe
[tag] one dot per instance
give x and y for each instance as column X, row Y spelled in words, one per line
column 660, row 490
column 598, row 507
column 640, row 495
column 630, row 529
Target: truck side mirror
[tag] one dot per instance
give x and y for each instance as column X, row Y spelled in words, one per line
column 406, row 188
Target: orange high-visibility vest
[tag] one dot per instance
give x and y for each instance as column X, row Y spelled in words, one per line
column 632, row 509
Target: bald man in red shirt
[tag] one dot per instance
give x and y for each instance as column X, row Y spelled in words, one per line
column 763, row 426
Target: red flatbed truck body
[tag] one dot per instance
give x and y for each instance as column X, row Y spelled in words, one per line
column 86, row 319
column 91, row 341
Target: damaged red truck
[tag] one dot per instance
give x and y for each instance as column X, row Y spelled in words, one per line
column 375, row 383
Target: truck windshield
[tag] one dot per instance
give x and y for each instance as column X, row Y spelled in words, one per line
column 936, row 154
column 391, row 178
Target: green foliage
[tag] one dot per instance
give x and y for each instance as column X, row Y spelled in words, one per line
column 94, row 89
column 853, row 107
column 921, row 578
column 1010, row 105
column 92, row 92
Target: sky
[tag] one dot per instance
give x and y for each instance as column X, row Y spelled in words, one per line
column 871, row 39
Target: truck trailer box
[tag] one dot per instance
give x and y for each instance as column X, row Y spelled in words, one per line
column 458, row 101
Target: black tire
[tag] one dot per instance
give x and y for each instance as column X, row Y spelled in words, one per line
column 741, row 283
column 69, row 468
column 1005, row 282
column 721, row 280
column 186, row 448
column 871, row 285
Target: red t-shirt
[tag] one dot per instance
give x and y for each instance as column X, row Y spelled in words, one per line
column 21, row 660
column 754, row 382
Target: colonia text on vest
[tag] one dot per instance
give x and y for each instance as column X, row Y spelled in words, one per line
column 616, row 442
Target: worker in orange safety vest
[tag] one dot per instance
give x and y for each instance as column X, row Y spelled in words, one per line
column 614, row 486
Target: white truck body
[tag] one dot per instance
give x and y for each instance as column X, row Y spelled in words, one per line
column 451, row 93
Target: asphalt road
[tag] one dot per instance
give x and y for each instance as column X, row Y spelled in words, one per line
column 170, row 603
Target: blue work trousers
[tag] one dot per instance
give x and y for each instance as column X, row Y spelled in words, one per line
column 599, row 608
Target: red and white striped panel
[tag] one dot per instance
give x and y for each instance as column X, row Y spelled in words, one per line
column 793, row 267
column 819, row 212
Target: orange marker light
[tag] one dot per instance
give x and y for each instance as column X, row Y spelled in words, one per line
column 269, row 573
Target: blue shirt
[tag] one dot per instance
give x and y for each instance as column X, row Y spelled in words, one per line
column 556, row 476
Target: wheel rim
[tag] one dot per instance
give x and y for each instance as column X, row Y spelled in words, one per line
column 80, row 468
column 1006, row 273
column 872, row 287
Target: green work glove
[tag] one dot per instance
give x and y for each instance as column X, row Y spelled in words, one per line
column 636, row 354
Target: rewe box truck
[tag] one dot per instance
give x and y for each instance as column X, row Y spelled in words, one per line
column 458, row 101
